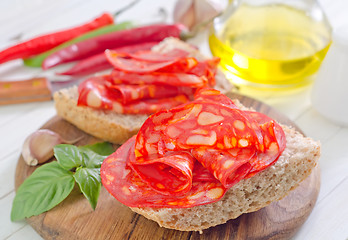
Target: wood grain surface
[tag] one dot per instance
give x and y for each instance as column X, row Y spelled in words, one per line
column 75, row 219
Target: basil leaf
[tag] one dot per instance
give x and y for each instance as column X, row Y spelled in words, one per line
column 68, row 156
column 45, row 188
column 96, row 153
column 89, row 182
column 104, row 148
column 92, row 159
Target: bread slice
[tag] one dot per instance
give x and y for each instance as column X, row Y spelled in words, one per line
column 294, row 165
column 106, row 125
column 111, row 126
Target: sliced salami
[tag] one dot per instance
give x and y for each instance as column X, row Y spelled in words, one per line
column 126, row 62
column 171, row 79
column 211, row 125
column 274, row 143
column 125, row 93
column 228, row 166
column 98, row 92
column 184, row 65
column 213, row 95
column 206, row 68
column 144, row 82
column 191, row 154
column 127, row 187
column 170, row 174
column 208, row 125
column 147, row 106
column 95, row 93
column 152, row 56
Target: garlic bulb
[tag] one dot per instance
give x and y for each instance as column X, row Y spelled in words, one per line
column 193, row 12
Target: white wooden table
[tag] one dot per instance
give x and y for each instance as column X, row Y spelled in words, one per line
column 24, row 19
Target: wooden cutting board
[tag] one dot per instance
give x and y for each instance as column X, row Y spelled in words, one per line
column 75, row 219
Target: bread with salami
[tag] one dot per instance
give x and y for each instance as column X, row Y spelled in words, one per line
column 208, row 161
column 293, row 166
column 118, row 127
column 191, row 166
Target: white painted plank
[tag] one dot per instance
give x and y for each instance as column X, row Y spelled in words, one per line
column 333, row 171
column 14, row 132
column 8, row 227
column 27, row 232
column 316, row 126
column 329, row 219
column 9, row 113
column 337, row 145
column 21, row 16
column 7, row 173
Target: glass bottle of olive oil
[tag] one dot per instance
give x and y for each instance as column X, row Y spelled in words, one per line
column 273, row 46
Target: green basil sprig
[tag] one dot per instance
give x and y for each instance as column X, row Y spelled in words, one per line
column 51, row 183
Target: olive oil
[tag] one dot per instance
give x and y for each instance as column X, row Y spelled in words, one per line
column 273, row 46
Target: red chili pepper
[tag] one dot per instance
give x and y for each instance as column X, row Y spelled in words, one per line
column 98, row 44
column 99, row 62
column 45, row 42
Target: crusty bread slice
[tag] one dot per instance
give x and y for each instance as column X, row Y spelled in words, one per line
column 111, row 126
column 294, row 165
column 106, row 125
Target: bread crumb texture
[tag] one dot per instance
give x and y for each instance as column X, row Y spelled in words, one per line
column 293, row 166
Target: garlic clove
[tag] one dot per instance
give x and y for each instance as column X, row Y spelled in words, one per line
column 184, row 13
column 42, row 143
column 38, row 146
column 194, row 12
column 207, row 9
column 27, row 156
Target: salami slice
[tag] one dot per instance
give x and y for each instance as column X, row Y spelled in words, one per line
column 202, row 174
column 172, row 79
column 130, row 93
column 127, row 62
column 147, row 106
column 274, row 143
column 208, row 125
column 127, row 187
column 228, row 166
column 213, row 95
column 211, row 125
column 98, row 92
column 184, row 65
column 170, row 174
column 94, row 92
column 152, row 56
column 206, row 68
column 121, row 62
